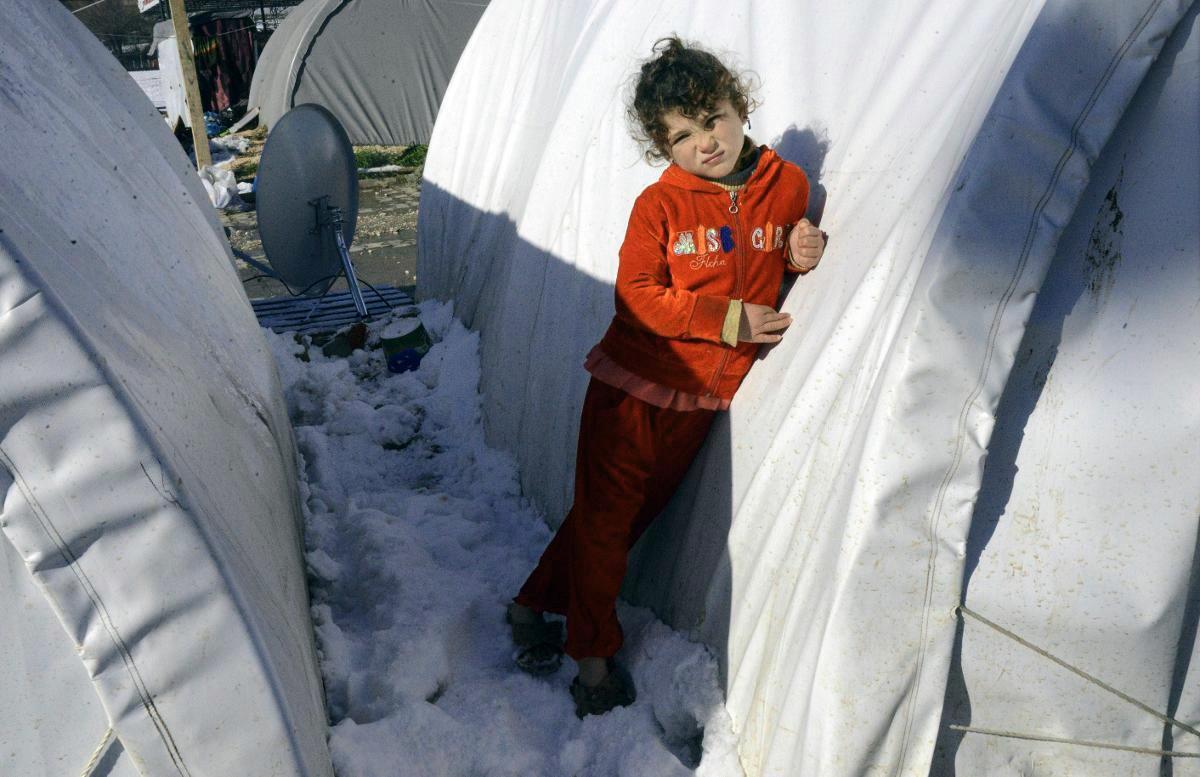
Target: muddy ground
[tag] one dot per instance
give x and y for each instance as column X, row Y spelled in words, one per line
column 384, row 249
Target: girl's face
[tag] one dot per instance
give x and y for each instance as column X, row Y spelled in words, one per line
column 709, row 144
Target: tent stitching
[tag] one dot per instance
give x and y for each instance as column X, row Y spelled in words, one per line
column 985, row 365
column 101, row 610
column 142, row 416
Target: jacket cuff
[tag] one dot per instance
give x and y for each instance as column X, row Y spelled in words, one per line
column 708, row 318
column 733, row 322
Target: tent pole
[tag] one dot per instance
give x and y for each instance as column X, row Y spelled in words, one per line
column 183, row 37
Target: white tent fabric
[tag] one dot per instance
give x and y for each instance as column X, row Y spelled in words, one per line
column 381, row 66
column 821, row 539
column 152, row 572
column 174, row 93
column 1084, row 538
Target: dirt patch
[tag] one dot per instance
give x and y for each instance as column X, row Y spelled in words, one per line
column 245, row 167
column 384, row 247
column 1104, row 244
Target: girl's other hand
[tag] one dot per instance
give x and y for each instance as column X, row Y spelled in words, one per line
column 806, row 244
column 762, row 324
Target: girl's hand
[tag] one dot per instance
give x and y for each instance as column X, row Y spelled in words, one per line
column 760, row 323
column 806, row 244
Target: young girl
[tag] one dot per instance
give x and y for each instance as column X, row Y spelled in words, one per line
column 697, row 285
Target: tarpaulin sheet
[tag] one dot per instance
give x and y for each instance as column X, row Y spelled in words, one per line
column 147, row 468
column 819, row 544
column 380, row 66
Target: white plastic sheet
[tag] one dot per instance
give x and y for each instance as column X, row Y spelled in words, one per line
column 819, row 543
column 221, row 187
column 147, row 475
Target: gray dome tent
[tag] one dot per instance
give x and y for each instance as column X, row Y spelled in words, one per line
column 381, row 66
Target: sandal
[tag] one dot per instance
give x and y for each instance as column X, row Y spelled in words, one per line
column 533, row 633
column 540, row 645
column 615, row 690
column 541, row 659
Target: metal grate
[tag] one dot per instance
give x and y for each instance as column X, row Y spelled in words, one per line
column 307, row 315
column 269, row 6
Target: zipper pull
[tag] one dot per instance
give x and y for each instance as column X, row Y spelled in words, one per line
column 733, row 206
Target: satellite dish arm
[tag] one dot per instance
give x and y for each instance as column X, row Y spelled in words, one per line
column 351, row 279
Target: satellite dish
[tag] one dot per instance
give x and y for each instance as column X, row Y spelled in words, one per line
column 307, row 200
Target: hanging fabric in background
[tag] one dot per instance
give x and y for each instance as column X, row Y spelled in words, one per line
column 223, row 43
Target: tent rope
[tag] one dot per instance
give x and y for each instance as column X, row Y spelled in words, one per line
column 98, row 753
column 1083, row 742
column 962, row 608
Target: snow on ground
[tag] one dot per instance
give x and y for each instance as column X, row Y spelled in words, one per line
column 417, row 536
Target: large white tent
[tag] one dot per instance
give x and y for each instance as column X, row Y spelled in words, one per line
column 380, row 66
column 154, row 608
column 992, row 378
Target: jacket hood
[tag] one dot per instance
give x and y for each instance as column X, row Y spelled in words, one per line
column 676, row 176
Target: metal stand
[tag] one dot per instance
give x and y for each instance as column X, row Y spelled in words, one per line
column 330, row 217
column 351, row 279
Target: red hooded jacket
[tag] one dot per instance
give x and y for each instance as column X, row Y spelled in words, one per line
column 689, row 249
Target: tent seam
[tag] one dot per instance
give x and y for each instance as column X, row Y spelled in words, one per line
column 52, row 533
column 985, row 364
column 138, row 417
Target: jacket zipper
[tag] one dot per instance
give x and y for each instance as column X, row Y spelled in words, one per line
column 738, row 262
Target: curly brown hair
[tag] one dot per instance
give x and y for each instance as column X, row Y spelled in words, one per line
column 681, row 76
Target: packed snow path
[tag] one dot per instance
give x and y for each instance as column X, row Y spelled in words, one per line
column 417, row 536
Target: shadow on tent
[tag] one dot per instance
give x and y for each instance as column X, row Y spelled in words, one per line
column 680, row 571
column 1067, row 282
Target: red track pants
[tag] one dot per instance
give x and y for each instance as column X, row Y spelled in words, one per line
column 631, row 458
